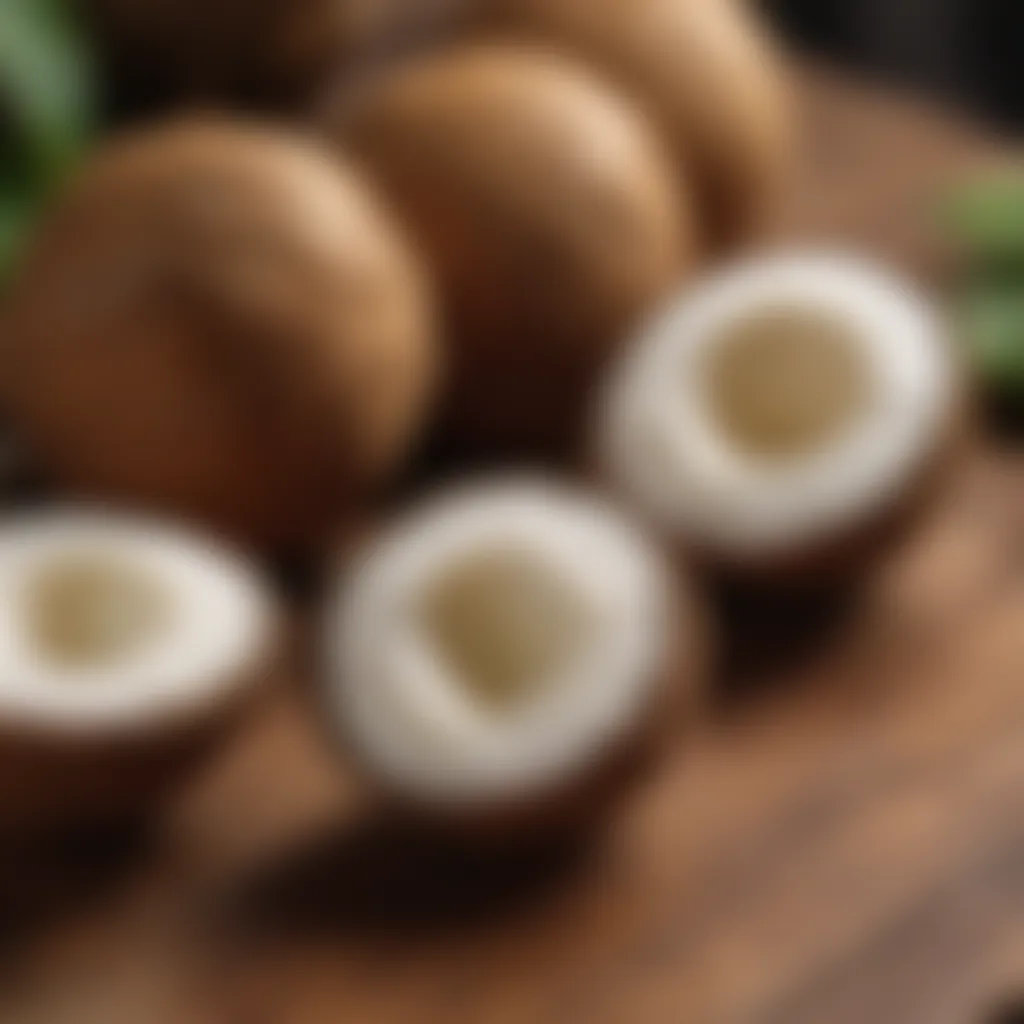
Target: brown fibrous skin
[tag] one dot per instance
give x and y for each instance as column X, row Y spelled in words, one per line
column 704, row 70
column 219, row 321
column 549, row 214
column 580, row 805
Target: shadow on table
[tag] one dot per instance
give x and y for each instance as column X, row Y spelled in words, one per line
column 51, row 879
column 378, row 875
column 767, row 637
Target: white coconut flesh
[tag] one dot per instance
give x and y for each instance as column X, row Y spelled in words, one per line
column 111, row 624
column 497, row 643
column 778, row 405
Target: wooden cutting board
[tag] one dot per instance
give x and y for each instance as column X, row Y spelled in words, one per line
column 841, row 843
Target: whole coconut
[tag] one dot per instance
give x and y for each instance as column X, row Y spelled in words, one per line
column 703, row 69
column 550, row 217
column 260, row 51
column 219, row 321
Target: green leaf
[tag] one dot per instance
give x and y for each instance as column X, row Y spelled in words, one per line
column 995, row 331
column 987, row 216
column 46, row 83
column 47, row 109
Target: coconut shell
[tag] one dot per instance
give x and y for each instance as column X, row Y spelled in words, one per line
column 219, row 321
column 51, row 781
column 703, row 70
column 548, row 213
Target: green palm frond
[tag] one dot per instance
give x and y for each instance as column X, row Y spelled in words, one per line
column 47, row 109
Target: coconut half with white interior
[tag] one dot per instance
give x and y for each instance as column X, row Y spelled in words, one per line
column 787, row 418
column 506, row 655
column 126, row 647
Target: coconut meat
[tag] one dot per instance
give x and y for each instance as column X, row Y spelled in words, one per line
column 111, row 623
column 497, row 643
column 783, row 402
column 86, row 610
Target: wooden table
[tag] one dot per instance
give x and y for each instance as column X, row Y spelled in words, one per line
column 842, row 842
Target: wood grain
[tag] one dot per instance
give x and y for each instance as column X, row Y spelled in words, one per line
column 842, row 843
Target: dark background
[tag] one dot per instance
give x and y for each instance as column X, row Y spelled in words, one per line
column 967, row 51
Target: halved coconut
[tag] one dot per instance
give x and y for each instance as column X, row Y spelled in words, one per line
column 125, row 646
column 785, row 416
column 505, row 654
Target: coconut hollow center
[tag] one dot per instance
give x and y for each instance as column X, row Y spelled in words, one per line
column 89, row 611
column 785, row 382
column 505, row 625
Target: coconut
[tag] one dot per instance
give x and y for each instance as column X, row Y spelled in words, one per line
column 126, row 647
column 784, row 419
column 220, row 322
column 505, row 658
column 549, row 216
column 707, row 74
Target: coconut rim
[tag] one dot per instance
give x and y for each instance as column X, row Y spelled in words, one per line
column 547, row 743
column 220, row 630
column 660, row 447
